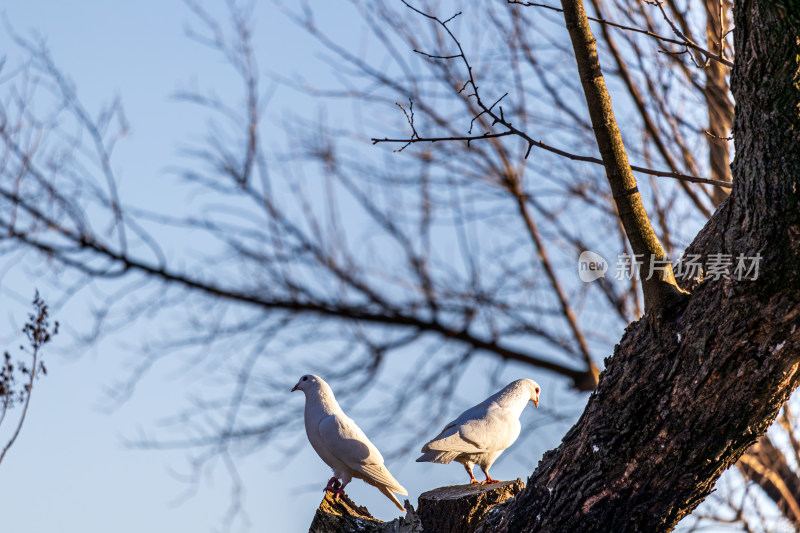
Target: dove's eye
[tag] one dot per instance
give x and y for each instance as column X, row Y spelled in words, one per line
column 537, row 391
column 305, row 378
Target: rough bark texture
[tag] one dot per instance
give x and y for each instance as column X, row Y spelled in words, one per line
column 460, row 508
column 341, row 514
column 689, row 390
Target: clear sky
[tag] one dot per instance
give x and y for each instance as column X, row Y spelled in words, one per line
column 71, row 470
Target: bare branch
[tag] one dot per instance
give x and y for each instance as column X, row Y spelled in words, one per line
column 543, row 146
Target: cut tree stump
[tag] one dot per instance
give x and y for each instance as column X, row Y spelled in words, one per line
column 460, row 508
column 452, row 509
column 341, row 515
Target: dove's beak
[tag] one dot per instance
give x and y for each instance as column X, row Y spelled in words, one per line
column 536, row 402
column 295, row 388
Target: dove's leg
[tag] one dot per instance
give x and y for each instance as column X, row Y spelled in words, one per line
column 336, row 487
column 488, row 477
column 340, row 488
column 333, row 485
column 468, row 468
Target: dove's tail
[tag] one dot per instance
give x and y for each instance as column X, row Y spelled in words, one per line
column 438, row 456
column 379, row 477
column 389, row 494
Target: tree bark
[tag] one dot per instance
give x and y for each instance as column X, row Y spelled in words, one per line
column 688, row 391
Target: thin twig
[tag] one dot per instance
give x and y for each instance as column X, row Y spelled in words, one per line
column 717, row 137
column 552, row 149
column 688, row 42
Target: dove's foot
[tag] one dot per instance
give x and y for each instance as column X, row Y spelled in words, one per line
column 489, row 479
column 474, row 481
column 332, row 486
column 335, row 487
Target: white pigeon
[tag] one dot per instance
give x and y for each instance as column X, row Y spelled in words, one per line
column 481, row 433
column 341, row 443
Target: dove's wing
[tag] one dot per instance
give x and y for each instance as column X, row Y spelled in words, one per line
column 351, row 446
column 480, row 429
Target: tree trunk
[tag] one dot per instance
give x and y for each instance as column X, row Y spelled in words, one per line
column 691, row 387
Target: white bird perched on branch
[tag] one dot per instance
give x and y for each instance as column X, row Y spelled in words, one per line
column 481, row 433
column 341, row 443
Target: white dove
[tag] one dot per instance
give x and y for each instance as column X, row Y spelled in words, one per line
column 481, row 433
column 341, row 443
